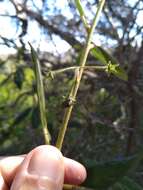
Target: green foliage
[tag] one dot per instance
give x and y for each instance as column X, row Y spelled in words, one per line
column 21, row 114
column 82, row 14
column 117, row 71
column 35, row 119
column 40, row 94
column 113, row 65
column 19, row 77
column 79, row 7
column 128, row 184
column 103, row 56
column 104, row 175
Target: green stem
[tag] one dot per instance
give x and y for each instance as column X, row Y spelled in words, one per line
column 82, row 14
column 78, row 67
column 73, row 92
column 75, row 187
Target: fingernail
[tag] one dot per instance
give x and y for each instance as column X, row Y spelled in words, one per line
column 47, row 161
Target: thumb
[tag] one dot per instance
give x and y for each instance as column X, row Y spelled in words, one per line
column 42, row 169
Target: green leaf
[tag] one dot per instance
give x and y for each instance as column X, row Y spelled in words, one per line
column 100, row 55
column 103, row 56
column 79, row 7
column 117, row 71
column 104, row 175
column 82, row 14
column 21, row 116
column 40, row 94
column 113, row 66
column 130, row 184
column 19, row 77
column 119, row 186
column 35, row 117
column 127, row 184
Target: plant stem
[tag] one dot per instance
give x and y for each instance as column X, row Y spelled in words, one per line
column 74, row 89
column 82, row 14
column 75, row 187
column 78, row 67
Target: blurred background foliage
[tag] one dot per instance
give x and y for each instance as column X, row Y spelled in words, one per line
column 107, row 121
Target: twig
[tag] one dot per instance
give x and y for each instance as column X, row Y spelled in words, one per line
column 75, row 87
column 54, row 72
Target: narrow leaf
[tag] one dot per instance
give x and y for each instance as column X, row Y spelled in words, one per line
column 79, row 7
column 40, row 94
column 81, row 12
column 19, row 77
column 103, row 55
column 96, row 52
column 119, row 72
column 105, row 58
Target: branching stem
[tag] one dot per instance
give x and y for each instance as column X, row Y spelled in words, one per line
column 100, row 68
column 75, row 88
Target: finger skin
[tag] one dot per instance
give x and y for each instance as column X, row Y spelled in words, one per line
column 9, row 166
column 3, row 185
column 42, row 169
column 75, row 173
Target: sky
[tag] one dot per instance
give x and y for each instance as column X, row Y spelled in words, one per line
column 9, row 29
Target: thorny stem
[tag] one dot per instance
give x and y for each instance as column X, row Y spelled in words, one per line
column 75, row 88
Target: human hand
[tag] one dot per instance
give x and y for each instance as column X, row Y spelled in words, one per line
column 44, row 168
